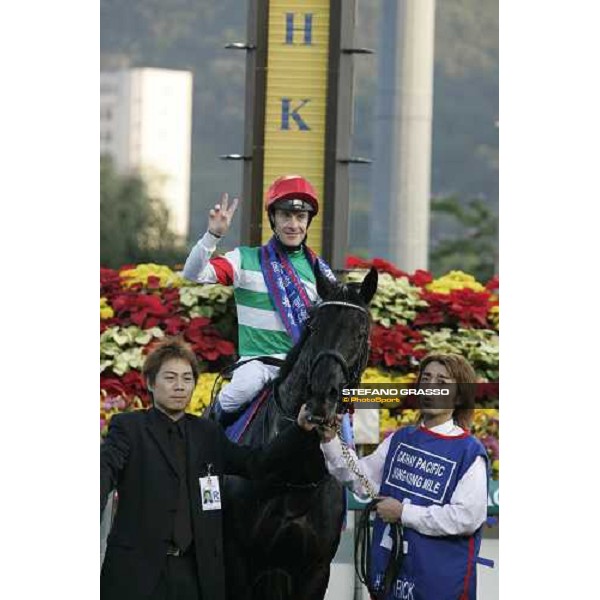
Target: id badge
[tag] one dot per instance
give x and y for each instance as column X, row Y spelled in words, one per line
column 210, row 493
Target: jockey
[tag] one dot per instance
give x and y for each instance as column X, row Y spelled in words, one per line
column 274, row 285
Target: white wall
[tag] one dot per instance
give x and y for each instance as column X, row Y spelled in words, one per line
column 146, row 125
column 164, row 114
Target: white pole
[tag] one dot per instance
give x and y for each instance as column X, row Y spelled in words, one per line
column 412, row 149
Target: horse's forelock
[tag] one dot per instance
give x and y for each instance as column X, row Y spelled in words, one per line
column 348, row 293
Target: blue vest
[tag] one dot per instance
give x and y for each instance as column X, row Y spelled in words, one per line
column 425, row 467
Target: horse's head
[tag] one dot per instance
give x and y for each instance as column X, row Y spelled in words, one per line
column 338, row 342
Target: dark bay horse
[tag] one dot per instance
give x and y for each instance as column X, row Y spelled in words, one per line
column 280, row 538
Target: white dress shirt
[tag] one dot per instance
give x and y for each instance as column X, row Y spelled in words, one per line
column 463, row 515
column 197, row 266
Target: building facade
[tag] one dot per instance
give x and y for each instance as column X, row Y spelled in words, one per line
column 146, row 126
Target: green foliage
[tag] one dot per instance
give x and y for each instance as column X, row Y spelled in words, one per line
column 396, row 300
column 134, row 226
column 213, row 301
column 472, row 245
column 479, row 346
column 121, row 348
column 210, row 294
column 466, row 37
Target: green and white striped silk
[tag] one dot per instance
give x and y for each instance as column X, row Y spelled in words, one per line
column 261, row 331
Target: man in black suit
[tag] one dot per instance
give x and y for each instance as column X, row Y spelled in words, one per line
column 166, row 543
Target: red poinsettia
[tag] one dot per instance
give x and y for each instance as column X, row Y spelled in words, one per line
column 492, row 445
column 110, row 282
column 108, row 276
column 171, row 296
column 153, row 282
column 493, row 285
column 383, row 266
column 354, row 262
column 206, row 341
column 136, row 386
column 471, row 308
column 121, row 391
column 394, row 347
column 174, row 325
column 112, row 385
column 465, row 308
column 420, row 278
column 143, row 310
column 435, row 312
column 487, row 391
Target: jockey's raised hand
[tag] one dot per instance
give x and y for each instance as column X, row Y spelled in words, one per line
column 219, row 217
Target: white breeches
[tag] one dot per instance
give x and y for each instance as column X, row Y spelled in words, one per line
column 246, row 382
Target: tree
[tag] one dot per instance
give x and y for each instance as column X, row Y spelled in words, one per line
column 134, row 226
column 469, row 242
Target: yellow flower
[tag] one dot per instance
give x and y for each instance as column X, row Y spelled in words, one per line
column 494, row 315
column 201, row 395
column 483, row 415
column 106, row 312
column 408, row 378
column 389, row 423
column 485, row 421
column 454, row 280
column 378, row 375
column 375, row 375
column 141, row 273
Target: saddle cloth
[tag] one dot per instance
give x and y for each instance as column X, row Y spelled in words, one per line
column 242, row 421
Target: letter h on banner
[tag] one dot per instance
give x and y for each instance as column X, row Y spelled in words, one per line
column 289, row 28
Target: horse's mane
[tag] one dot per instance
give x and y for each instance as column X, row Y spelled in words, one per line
column 294, row 353
column 342, row 292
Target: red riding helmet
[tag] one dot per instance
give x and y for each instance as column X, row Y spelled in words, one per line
column 292, row 192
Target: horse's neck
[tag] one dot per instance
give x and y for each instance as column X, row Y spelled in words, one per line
column 292, row 389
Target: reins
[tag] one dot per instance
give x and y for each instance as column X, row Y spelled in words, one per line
column 362, row 540
column 363, row 553
column 352, row 376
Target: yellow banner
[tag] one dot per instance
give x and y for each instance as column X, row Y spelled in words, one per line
column 296, row 97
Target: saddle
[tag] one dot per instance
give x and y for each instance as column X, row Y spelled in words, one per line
column 236, row 423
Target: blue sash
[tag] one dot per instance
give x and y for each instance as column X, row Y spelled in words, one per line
column 285, row 286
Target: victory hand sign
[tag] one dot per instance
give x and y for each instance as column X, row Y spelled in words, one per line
column 219, row 217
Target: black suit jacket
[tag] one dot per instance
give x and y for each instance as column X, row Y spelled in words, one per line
column 137, row 460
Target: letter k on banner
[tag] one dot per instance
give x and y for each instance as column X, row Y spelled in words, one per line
column 286, row 114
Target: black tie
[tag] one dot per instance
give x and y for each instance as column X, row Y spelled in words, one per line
column 182, row 529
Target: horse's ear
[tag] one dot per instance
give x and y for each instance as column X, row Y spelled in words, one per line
column 325, row 288
column 369, row 285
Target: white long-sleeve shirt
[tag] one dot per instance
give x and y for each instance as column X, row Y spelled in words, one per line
column 197, row 267
column 463, row 515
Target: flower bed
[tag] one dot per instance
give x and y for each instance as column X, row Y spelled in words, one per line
column 413, row 314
